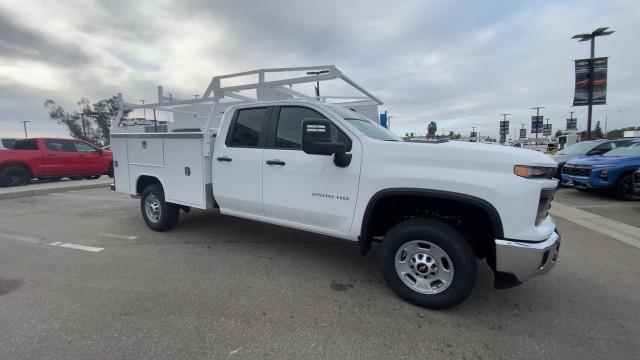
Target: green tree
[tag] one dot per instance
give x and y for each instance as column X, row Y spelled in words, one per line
column 91, row 123
column 431, row 129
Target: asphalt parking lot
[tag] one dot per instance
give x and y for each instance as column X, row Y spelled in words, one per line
column 603, row 204
column 81, row 277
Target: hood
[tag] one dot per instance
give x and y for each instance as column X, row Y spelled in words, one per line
column 600, row 160
column 459, row 154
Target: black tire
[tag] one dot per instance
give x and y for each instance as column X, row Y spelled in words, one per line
column 110, row 171
column 76, row 177
column 54, row 179
column 168, row 213
column 624, row 188
column 449, row 240
column 14, row 176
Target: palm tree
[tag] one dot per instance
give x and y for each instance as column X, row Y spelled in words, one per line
column 432, row 128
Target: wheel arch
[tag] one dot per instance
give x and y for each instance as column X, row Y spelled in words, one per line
column 144, row 180
column 366, row 232
column 21, row 164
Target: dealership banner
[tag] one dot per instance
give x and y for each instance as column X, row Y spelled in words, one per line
column 546, row 130
column 523, row 133
column 572, row 124
column 584, row 80
column 504, row 127
column 536, row 124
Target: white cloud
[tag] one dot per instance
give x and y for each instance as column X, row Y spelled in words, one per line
column 458, row 63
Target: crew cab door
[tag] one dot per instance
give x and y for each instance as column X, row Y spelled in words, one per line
column 237, row 163
column 308, row 190
column 88, row 158
column 59, row 158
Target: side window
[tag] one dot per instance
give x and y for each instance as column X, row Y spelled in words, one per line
column 603, row 148
column 28, row 144
column 289, row 128
column 247, row 127
column 59, row 145
column 82, row 147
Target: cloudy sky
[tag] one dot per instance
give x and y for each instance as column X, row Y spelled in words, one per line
column 459, row 63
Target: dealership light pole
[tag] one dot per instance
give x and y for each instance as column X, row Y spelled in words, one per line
column 592, row 38
column 537, row 109
column 144, row 111
column 24, row 123
column 501, row 131
column 317, row 82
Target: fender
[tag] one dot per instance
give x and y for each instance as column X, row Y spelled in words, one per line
column 364, row 240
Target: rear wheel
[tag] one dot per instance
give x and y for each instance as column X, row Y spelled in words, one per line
column 14, row 176
column 428, row 263
column 624, row 189
column 157, row 213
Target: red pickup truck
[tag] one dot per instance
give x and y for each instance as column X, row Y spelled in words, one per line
column 49, row 158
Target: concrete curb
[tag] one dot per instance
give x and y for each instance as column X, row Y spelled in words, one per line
column 42, row 191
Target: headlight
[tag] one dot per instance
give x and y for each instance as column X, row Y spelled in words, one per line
column 604, row 174
column 534, row 172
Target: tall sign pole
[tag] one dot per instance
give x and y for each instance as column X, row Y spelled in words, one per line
column 592, row 39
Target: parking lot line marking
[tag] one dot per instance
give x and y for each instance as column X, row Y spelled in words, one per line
column 81, row 247
column 620, row 231
column 22, row 238
column 126, row 237
column 55, row 243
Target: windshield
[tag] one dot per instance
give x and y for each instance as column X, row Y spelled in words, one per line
column 372, row 130
column 631, row 150
column 577, row 149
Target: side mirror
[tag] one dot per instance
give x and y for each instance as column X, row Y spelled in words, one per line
column 316, row 138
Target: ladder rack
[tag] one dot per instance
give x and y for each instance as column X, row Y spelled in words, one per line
column 273, row 90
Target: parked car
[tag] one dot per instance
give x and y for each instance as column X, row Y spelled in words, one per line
column 585, row 148
column 611, row 172
column 7, row 143
column 636, row 183
column 436, row 207
column 48, row 158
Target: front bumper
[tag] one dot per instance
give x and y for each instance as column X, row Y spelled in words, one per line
column 520, row 261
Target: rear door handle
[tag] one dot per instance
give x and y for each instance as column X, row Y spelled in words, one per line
column 275, row 162
column 224, row 158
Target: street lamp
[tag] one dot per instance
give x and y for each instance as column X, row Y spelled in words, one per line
column 606, row 119
column 317, row 82
column 592, row 38
column 24, row 123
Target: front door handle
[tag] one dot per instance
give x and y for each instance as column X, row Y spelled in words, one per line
column 275, row 162
column 224, row 158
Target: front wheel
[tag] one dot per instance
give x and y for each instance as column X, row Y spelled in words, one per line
column 428, row 263
column 624, row 189
column 157, row 213
column 14, row 176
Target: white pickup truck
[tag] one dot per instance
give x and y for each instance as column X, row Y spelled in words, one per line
column 304, row 162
